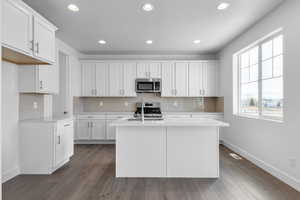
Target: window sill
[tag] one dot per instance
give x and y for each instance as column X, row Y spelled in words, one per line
column 276, row 120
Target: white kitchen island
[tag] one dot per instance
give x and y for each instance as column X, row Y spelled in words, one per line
column 168, row 148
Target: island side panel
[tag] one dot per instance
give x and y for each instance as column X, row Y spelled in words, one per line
column 141, row 152
column 193, row 152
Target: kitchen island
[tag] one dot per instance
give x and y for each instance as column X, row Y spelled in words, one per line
column 168, row 148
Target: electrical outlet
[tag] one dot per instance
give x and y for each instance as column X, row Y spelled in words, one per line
column 100, row 104
column 293, row 162
column 126, row 103
column 175, row 104
column 35, row 105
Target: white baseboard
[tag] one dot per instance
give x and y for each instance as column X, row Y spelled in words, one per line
column 283, row 176
column 95, row 142
column 10, row 174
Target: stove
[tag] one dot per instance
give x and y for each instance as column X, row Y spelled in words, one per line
column 151, row 110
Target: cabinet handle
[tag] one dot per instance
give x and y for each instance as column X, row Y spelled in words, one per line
column 41, row 84
column 37, row 48
column 31, row 45
column 59, row 139
column 66, row 125
column 88, row 124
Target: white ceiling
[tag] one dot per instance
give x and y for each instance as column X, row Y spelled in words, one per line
column 173, row 25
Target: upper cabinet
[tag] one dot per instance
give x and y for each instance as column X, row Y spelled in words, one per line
column 203, row 79
column 27, row 38
column 148, row 70
column 108, row 79
column 38, row 79
column 179, row 78
column 175, row 79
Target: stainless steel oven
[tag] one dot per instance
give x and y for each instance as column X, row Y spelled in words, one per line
column 148, row 85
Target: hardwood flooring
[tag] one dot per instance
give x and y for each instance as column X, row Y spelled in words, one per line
column 90, row 176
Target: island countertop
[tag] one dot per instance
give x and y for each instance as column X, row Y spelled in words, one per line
column 126, row 122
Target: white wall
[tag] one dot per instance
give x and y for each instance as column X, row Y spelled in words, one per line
column 269, row 144
column 10, row 117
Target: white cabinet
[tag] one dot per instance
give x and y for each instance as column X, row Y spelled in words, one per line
column 28, row 38
column 94, row 79
column 91, row 128
column 38, row 79
column 83, row 130
column 174, row 79
column 44, row 40
column 110, row 130
column 98, row 129
column 101, row 81
column 149, row 70
column 203, row 79
column 17, row 27
column 129, row 76
column 116, row 79
column 45, row 145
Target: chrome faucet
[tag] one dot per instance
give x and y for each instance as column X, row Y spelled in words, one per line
column 142, row 111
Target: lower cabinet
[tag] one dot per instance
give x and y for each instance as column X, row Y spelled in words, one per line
column 45, row 146
column 96, row 127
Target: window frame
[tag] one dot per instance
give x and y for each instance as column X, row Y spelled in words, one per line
column 237, row 94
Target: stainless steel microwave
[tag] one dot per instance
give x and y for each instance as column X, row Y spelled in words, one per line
column 148, row 85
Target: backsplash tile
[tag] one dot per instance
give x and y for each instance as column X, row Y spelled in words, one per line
column 170, row 104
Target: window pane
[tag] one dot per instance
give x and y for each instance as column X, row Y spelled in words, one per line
column 245, row 75
column 267, row 50
column 278, row 43
column 254, row 73
column 253, row 56
column 245, row 60
column 272, row 97
column 277, row 68
column 249, row 98
column 267, row 69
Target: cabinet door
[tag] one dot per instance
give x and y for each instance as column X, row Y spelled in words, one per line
column 168, row 76
column 16, row 27
column 154, row 70
column 210, row 79
column 83, row 130
column 88, row 79
column 61, row 148
column 142, row 70
column 44, row 38
column 181, row 79
column 110, row 130
column 116, row 79
column 129, row 76
column 45, row 79
column 101, row 79
column 195, row 79
column 98, row 129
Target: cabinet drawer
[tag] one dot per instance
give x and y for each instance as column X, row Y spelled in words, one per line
column 91, row 116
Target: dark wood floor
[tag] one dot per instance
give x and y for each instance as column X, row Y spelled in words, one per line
column 90, row 176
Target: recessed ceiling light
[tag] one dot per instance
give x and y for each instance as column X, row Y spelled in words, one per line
column 149, row 41
column 223, row 6
column 102, row 42
column 197, row 41
column 73, row 8
column 148, row 7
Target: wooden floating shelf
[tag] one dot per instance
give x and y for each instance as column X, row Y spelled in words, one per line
column 10, row 55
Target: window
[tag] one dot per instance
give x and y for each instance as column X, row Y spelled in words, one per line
column 260, row 79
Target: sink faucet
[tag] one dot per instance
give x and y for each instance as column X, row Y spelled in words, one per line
column 143, row 114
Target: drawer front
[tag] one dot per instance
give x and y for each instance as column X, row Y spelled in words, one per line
column 91, row 117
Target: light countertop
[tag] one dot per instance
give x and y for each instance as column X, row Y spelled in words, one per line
column 47, row 120
column 169, row 122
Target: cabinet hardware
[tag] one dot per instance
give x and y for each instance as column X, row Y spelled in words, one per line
column 66, row 125
column 31, row 44
column 41, row 84
column 37, row 47
column 59, row 139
